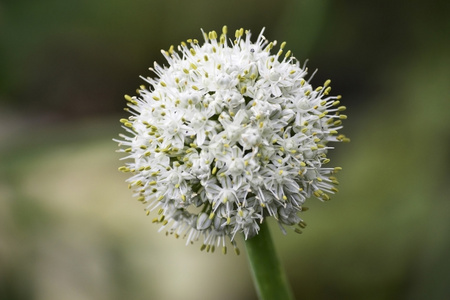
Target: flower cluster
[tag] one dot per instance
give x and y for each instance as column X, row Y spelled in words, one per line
column 228, row 134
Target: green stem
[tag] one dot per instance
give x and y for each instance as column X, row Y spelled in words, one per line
column 267, row 272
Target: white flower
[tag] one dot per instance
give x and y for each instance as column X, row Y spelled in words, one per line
column 227, row 135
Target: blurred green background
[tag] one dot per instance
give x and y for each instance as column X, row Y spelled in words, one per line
column 69, row 227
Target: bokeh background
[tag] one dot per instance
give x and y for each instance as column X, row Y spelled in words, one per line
column 69, row 227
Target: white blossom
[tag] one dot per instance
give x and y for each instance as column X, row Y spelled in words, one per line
column 228, row 134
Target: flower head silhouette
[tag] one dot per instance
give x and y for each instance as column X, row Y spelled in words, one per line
column 228, row 134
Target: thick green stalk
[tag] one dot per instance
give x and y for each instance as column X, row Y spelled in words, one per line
column 267, row 272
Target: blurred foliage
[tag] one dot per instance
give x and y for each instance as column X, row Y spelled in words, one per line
column 67, row 230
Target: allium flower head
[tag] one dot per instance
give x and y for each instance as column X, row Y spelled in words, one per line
column 227, row 135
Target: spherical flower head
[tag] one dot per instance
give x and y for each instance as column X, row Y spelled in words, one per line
column 228, row 134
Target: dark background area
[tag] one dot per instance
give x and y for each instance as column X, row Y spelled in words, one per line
column 69, row 227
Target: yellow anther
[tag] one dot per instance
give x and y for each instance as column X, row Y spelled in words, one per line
column 192, row 51
column 342, row 108
column 301, row 224
column 225, row 29
column 343, row 117
column 163, row 83
column 124, row 169
column 239, row 33
column 212, row 35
